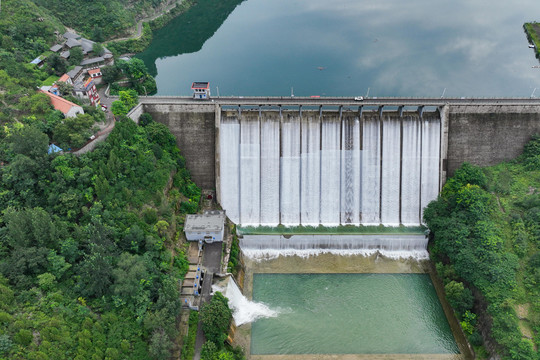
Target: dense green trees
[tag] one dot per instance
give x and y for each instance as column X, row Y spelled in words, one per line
column 216, row 318
column 99, row 18
column 74, row 132
column 133, row 71
column 484, row 239
column 84, row 268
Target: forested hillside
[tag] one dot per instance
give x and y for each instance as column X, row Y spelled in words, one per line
column 486, row 244
column 90, row 264
column 88, row 258
column 100, row 19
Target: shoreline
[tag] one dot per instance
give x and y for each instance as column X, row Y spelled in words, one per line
column 532, row 30
column 145, row 27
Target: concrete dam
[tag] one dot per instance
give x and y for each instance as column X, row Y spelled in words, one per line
column 334, row 161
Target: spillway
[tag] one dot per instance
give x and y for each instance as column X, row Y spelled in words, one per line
column 328, row 168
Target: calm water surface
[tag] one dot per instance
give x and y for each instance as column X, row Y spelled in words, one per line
column 345, row 47
column 350, row 314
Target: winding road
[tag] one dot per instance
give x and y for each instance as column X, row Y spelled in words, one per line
column 138, row 31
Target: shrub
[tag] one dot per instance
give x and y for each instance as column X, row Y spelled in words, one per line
column 145, row 119
column 23, row 337
column 216, row 318
column 189, row 341
column 209, row 351
column 5, row 343
column 476, row 339
column 459, row 296
column 5, row 317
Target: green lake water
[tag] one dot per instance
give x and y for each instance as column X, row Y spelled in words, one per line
column 437, row 48
column 350, row 314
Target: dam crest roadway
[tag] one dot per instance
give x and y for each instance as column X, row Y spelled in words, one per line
column 338, row 101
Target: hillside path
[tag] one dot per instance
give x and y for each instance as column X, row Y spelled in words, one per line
column 138, row 31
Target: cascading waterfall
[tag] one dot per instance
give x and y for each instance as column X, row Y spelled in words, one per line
column 392, row 246
column 306, row 169
column 244, row 310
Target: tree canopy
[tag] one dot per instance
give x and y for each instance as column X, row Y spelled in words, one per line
column 484, row 238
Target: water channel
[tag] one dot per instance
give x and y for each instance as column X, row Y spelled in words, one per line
column 347, row 47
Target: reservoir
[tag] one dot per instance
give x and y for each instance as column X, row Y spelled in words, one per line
column 348, row 48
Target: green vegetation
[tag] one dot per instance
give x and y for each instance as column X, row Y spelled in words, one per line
column 132, row 73
column 134, row 45
column 337, row 230
column 99, row 19
column 90, row 264
column 216, row 318
column 532, row 30
column 127, row 100
column 485, row 230
column 234, row 256
column 188, row 349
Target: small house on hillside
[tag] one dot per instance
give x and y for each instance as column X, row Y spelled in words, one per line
column 65, row 78
column 96, row 75
column 208, row 227
column 68, row 108
column 56, row 48
column 75, row 73
column 69, row 35
column 201, row 90
column 39, row 61
column 87, row 89
column 92, row 62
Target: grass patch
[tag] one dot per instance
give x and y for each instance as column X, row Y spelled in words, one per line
column 532, row 30
column 337, row 230
column 50, row 80
column 188, row 349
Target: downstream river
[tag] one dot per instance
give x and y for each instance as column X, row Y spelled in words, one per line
column 348, row 47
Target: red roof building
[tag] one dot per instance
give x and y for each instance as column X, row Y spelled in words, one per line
column 65, row 78
column 96, row 75
column 201, row 90
column 68, row 108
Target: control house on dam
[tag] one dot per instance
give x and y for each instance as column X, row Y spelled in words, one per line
column 338, row 161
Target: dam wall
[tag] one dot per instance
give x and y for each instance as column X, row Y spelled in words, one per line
column 355, row 165
column 195, row 132
column 328, row 167
column 487, row 135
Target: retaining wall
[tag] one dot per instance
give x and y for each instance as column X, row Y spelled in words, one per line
column 194, row 129
column 488, row 135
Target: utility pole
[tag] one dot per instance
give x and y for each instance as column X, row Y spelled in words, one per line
column 443, row 93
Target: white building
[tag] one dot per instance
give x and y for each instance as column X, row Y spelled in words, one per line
column 201, row 90
column 208, row 227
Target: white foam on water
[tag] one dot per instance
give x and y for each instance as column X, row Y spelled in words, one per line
column 244, row 310
column 269, row 254
column 395, row 246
